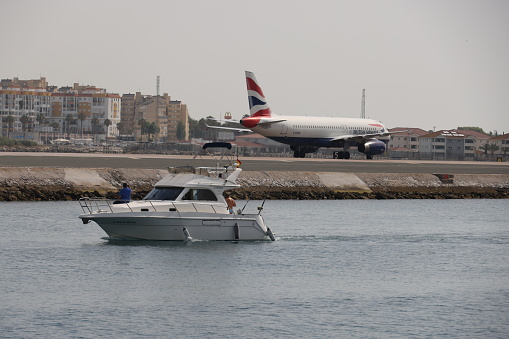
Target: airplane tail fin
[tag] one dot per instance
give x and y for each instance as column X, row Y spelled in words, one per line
column 257, row 103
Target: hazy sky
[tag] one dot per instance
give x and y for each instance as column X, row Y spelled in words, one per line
column 429, row 64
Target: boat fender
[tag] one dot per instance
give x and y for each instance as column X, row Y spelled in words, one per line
column 187, row 235
column 85, row 221
column 270, row 234
column 237, row 231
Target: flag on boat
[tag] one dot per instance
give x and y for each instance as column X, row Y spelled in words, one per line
column 238, row 163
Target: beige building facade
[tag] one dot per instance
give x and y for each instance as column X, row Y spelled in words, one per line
column 56, row 112
column 20, row 98
column 86, row 110
column 160, row 110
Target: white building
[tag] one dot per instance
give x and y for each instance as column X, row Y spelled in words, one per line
column 84, row 110
column 17, row 101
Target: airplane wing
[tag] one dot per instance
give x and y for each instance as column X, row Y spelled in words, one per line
column 362, row 137
column 230, row 128
column 226, row 121
column 270, row 122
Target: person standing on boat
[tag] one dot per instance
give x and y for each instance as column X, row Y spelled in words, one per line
column 125, row 193
column 230, row 203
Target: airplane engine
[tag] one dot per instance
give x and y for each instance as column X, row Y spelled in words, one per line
column 372, row 147
column 250, row 122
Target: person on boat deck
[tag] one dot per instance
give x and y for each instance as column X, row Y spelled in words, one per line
column 231, row 204
column 125, row 194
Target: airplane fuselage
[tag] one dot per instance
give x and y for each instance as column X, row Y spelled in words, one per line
column 317, row 131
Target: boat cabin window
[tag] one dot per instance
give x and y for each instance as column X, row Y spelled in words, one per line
column 200, row 194
column 164, row 193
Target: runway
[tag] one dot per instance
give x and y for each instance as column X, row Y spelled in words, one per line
column 155, row 161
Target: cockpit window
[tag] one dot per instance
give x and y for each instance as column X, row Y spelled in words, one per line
column 200, row 194
column 164, row 193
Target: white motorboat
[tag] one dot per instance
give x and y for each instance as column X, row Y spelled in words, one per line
column 186, row 204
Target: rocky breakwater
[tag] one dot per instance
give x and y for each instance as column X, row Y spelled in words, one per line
column 46, row 184
column 323, row 185
column 33, row 184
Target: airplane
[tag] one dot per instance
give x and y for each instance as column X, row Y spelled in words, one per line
column 306, row 134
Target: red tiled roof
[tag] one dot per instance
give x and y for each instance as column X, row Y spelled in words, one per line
column 408, row 131
column 471, row 133
column 501, row 137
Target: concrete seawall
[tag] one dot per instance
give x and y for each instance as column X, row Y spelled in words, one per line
column 42, row 183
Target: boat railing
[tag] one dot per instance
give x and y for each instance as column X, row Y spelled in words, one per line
column 103, row 205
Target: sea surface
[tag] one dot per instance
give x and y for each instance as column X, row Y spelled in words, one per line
column 338, row 269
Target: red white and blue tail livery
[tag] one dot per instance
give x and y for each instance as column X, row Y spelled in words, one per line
column 258, row 106
column 306, row 134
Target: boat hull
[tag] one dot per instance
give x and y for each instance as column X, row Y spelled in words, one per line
column 161, row 226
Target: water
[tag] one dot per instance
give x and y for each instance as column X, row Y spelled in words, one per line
column 355, row 269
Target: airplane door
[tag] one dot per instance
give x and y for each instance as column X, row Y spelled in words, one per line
column 284, row 128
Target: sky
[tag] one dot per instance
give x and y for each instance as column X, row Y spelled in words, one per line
column 433, row 64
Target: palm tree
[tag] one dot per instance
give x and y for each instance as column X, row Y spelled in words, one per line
column 107, row 123
column 55, row 125
column 75, row 128
column 41, row 119
column 142, row 123
column 152, row 129
column 489, row 148
column 68, row 122
column 95, row 127
column 82, row 116
column 181, row 131
column 120, row 127
column 10, row 121
column 25, row 120
column 493, row 148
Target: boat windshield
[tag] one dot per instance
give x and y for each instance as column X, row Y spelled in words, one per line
column 164, row 193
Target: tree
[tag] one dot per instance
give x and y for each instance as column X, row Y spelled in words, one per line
column 489, row 148
column 107, row 123
column 493, row 148
column 181, row 131
column 505, row 150
column 471, row 128
column 152, row 129
column 10, row 122
column 120, row 127
column 75, row 123
column 82, row 116
column 25, row 121
column 142, row 124
column 41, row 119
column 95, row 126
column 68, row 122
column 55, row 126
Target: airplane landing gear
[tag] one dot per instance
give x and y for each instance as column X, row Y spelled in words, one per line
column 299, row 153
column 342, row 155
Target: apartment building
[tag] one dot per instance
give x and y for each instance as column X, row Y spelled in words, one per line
column 405, row 139
column 86, row 110
column 438, row 145
column 55, row 111
column 502, row 144
column 20, row 98
column 160, row 110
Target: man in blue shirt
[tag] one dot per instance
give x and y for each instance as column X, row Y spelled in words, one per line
column 125, row 193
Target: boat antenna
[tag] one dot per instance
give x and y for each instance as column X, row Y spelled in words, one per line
column 260, row 208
